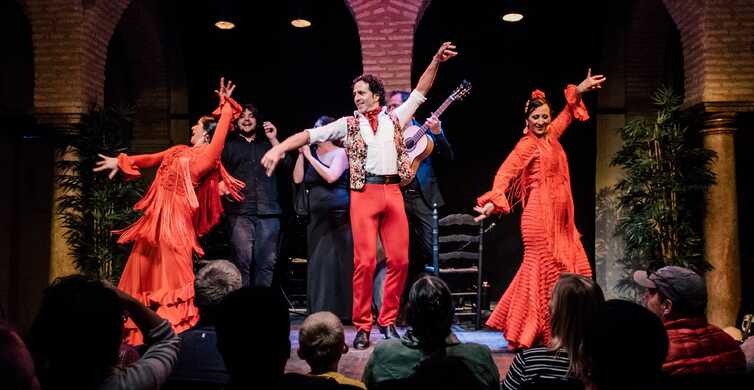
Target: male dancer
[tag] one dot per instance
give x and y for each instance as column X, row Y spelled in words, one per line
column 377, row 162
column 253, row 222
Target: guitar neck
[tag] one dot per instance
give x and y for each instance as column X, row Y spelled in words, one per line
column 444, row 106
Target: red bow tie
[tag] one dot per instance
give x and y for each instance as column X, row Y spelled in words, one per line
column 372, row 118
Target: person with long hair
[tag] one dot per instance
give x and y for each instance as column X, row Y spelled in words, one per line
column 536, row 174
column 575, row 306
column 182, row 204
column 430, row 350
column 323, row 170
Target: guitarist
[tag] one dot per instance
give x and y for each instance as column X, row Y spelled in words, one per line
column 419, row 197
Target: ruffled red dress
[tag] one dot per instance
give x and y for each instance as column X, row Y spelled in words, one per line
column 536, row 174
column 182, row 204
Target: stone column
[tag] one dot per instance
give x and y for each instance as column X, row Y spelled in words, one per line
column 721, row 246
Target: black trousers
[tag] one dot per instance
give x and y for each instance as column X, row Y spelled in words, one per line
column 256, row 242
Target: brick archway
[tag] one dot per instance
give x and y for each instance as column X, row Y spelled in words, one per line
column 70, row 46
column 386, row 30
column 717, row 49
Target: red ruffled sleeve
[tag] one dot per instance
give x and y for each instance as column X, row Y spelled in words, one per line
column 574, row 109
column 127, row 167
column 237, row 109
column 507, row 184
column 130, row 165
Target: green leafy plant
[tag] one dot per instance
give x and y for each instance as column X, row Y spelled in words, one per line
column 661, row 195
column 90, row 205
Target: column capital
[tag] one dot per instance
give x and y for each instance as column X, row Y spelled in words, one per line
column 718, row 117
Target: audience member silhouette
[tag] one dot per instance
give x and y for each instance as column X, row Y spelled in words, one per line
column 200, row 364
column 629, row 347
column 431, row 346
column 16, row 364
column 76, row 337
column 575, row 303
column 252, row 335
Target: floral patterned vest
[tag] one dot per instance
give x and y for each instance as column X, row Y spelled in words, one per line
column 356, row 149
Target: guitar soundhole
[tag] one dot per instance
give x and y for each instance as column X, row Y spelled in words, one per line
column 410, row 144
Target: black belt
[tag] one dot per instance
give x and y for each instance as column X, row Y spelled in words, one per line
column 382, row 179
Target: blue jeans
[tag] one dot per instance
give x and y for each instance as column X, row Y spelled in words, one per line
column 255, row 241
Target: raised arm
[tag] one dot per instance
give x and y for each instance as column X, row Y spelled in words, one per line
column 575, row 107
column 406, row 111
column 427, row 78
column 228, row 110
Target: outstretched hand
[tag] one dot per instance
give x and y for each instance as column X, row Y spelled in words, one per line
column 590, row 82
column 271, row 158
column 446, row 52
column 107, row 163
column 226, row 89
column 484, row 211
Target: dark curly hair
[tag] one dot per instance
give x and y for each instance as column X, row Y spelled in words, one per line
column 375, row 85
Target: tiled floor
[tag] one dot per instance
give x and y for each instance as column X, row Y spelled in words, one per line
column 352, row 364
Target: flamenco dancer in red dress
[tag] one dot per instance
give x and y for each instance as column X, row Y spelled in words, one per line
column 536, row 174
column 182, row 204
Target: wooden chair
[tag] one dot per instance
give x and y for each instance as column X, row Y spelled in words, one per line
column 458, row 243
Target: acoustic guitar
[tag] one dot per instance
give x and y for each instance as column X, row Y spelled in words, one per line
column 418, row 144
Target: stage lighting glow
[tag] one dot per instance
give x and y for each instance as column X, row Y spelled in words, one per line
column 225, row 25
column 301, row 23
column 512, row 17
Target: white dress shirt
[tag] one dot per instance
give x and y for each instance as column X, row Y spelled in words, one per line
column 382, row 158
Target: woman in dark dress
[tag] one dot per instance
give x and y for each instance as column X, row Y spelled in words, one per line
column 323, row 168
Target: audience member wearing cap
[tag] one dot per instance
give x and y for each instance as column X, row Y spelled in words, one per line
column 678, row 296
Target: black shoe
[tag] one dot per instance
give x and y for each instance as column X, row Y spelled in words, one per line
column 361, row 341
column 389, row 332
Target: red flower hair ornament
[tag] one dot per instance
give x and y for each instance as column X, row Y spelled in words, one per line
column 535, row 95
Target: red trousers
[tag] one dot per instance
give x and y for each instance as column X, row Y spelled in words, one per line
column 379, row 207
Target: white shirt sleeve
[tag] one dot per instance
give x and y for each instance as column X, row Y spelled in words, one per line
column 406, row 111
column 329, row 132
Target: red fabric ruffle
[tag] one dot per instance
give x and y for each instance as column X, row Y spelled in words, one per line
column 237, row 108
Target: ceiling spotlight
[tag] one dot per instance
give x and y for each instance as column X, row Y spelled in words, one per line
column 225, row 25
column 300, row 23
column 513, row 17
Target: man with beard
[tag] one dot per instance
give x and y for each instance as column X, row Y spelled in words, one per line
column 253, row 222
column 378, row 162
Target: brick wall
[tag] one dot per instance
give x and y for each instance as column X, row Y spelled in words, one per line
column 70, row 44
column 386, row 30
column 717, row 38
